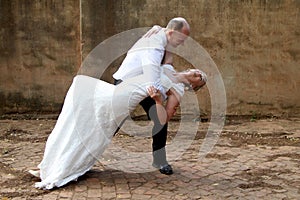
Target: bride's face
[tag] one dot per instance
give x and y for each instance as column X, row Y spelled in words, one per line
column 195, row 79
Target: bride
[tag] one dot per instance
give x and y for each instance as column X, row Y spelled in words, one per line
column 93, row 110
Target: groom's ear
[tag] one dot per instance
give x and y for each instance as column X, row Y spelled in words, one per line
column 171, row 32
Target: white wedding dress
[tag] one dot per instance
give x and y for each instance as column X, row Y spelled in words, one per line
column 91, row 113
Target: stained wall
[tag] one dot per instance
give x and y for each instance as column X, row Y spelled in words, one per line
column 254, row 43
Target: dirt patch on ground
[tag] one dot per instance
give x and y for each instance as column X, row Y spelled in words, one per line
column 15, row 183
column 30, row 135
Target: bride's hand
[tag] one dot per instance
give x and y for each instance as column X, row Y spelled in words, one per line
column 154, row 30
column 155, row 94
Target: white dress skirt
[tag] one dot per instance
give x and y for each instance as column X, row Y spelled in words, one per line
column 91, row 113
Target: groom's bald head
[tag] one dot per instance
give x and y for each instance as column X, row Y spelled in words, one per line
column 179, row 24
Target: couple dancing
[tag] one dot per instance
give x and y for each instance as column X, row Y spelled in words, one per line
column 94, row 110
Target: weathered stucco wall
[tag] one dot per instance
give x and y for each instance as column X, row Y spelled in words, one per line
column 39, row 54
column 254, row 43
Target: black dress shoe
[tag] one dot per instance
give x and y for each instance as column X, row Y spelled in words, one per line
column 164, row 169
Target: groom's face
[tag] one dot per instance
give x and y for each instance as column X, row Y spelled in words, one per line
column 178, row 37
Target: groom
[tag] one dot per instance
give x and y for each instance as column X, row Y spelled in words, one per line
column 146, row 57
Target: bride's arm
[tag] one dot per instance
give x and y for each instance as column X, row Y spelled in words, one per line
column 165, row 113
column 168, row 58
column 172, row 103
column 160, row 109
column 154, row 30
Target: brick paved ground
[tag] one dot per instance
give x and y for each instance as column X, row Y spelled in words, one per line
column 252, row 160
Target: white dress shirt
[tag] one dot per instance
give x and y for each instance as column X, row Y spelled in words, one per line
column 145, row 58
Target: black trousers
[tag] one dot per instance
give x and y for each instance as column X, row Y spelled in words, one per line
column 159, row 131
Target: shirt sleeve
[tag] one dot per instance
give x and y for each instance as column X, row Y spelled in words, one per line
column 168, row 84
column 151, row 64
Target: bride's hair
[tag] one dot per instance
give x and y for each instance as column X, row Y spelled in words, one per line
column 203, row 80
column 200, row 84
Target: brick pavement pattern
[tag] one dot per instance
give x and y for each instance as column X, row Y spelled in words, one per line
column 252, row 160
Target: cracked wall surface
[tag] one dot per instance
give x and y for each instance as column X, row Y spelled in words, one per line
column 254, row 44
